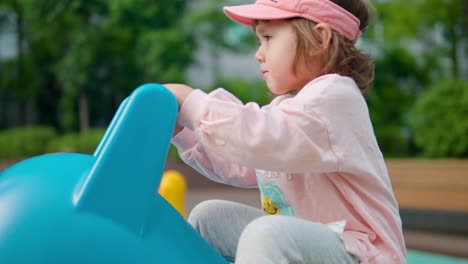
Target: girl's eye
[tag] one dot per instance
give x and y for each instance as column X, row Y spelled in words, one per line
column 263, row 38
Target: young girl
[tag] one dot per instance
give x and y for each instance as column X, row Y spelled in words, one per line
column 325, row 192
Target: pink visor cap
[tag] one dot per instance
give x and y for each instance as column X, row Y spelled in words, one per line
column 319, row 11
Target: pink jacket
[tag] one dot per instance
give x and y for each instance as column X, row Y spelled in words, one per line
column 313, row 156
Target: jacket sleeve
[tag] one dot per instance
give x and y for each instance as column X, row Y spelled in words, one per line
column 211, row 165
column 282, row 136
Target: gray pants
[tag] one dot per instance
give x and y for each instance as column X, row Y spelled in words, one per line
column 245, row 234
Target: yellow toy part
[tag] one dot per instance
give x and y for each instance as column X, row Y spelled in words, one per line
column 173, row 187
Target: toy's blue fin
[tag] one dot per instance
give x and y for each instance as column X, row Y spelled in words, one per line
column 111, row 127
column 130, row 158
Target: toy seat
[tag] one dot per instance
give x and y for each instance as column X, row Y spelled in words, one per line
column 101, row 208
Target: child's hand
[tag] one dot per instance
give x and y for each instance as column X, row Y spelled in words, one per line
column 177, row 129
column 180, row 91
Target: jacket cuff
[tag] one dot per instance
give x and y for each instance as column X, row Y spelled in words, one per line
column 192, row 110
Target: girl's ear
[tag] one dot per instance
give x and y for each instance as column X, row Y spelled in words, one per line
column 325, row 33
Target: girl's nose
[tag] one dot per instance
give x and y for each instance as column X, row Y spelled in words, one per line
column 259, row 55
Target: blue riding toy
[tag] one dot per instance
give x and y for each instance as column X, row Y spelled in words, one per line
column 101, row 208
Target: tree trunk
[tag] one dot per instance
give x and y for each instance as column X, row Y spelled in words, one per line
column 464, row 38
column 20, row 89
column 454, row 46
column 84, row 111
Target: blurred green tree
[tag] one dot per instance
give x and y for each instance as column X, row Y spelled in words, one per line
column 76, row 60
column 398, row 80
column 16, row 69
column 416, row 44
column 439, row 120
column 435, row 30
column 83, row 57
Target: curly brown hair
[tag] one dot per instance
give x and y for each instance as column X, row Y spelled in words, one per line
column 342, row 56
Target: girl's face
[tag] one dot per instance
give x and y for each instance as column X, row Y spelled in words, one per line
column 276, row 53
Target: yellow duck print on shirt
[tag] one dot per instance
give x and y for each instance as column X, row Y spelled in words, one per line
column 269, row 207
column 273, row 199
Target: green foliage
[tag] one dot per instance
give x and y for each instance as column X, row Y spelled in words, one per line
column 85, row 142
column 173, row 154
column 436, row 27
column 392, row 141
column 99, row 51
column 25, row 141
column 417, row 43
column 398, row 81
column 247, row 91
column 79, row 56
column 410, row 18
column 439, row 120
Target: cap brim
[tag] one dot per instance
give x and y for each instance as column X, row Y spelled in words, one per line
column 246, row 14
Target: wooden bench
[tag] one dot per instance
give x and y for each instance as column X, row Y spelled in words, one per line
column 430, row 184
column 433, row 199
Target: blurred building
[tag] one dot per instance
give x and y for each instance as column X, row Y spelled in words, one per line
column 213, row 62
column 227, row 64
